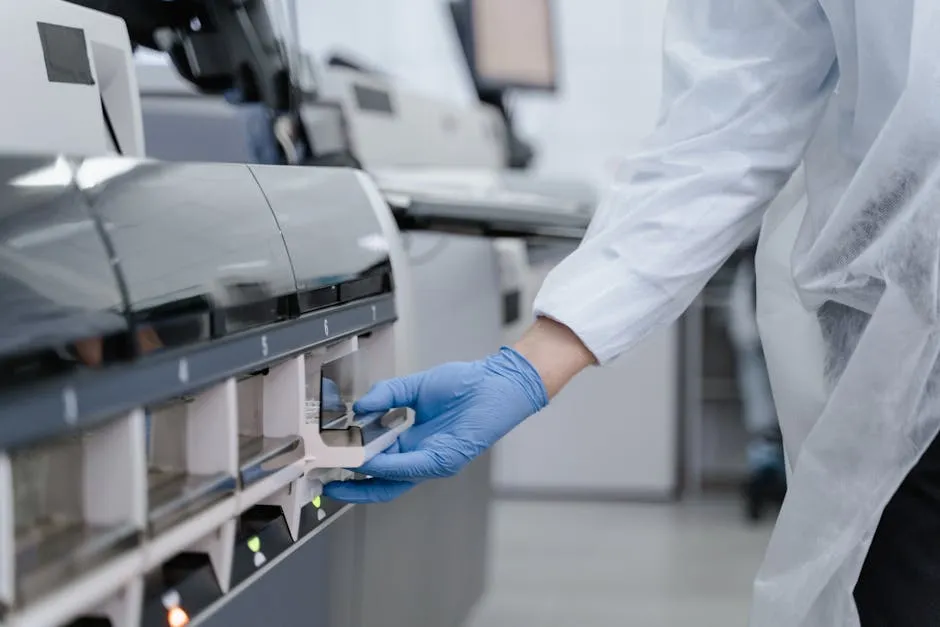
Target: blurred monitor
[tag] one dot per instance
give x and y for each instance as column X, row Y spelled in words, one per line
column 509, row 44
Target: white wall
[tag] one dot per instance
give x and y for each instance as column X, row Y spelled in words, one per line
column 410, row 39
column 610, row 86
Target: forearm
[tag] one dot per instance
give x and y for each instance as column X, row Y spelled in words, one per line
column 555, row 352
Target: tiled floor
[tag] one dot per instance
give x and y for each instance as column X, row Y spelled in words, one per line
column 577, row 565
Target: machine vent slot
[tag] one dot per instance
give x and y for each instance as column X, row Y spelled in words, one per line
column 362, row 288
column 318, row 298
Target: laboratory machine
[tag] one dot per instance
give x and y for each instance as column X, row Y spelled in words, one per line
column 445, row 179
column 460, row 167
column 181, row 346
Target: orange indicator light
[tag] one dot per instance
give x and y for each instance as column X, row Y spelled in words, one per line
column 177, row 617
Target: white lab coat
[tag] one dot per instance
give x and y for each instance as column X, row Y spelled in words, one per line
column 751, row 89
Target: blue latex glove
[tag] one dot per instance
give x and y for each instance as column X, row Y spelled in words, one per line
column 461, row 409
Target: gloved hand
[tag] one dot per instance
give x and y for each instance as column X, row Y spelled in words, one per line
column 461, row 409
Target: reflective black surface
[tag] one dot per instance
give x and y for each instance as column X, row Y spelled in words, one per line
column 60, row 302
column 317, row 512
column 334, row 238
column 262, row 535
column 180, row 588
column 198, row 247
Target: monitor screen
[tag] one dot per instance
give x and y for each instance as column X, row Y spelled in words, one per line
column 513, row 44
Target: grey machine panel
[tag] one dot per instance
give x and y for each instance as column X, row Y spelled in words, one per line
column 202, row 129
column 494, row 218
column 429, row 547
column 472, row 209
column 181, row 124
column 312, row 585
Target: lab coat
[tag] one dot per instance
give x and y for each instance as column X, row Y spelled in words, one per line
column 752, row 88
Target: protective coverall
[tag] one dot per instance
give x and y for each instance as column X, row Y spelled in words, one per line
column 847, row 287
column 848, row 297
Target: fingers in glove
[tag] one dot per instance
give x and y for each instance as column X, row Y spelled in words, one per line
column 409, row 466
column 367, row 491
column 389, row 394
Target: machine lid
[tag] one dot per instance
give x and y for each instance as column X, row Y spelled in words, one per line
column 198, row 248
column 480, row 203
column 61, row 304
column 336, row 243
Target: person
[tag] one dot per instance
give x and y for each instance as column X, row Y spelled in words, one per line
column 848, row 282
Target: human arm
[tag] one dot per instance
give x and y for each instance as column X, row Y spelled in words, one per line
column 555, row 352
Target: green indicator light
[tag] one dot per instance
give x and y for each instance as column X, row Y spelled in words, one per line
column 254, row 544
column 316, row 502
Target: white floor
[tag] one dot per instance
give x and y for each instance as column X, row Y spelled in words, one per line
column 577, row 565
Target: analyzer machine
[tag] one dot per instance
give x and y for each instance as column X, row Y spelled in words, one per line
column 181, row 345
